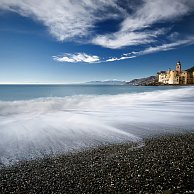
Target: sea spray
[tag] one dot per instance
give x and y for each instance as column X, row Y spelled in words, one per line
column 30, row 129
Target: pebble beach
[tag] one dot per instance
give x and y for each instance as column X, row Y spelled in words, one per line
column 163, row 165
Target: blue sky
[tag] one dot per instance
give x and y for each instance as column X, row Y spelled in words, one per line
column 76, row 41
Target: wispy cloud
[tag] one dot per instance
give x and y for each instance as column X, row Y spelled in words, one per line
column 159, row 48
column 126, row 38
column 135, row 29
column 164, row 47
column 155, row 11
column 120, row 58
column 83, row 57
column 76, row 58
column 86, row 58
column 74, row 20
column 65, row 19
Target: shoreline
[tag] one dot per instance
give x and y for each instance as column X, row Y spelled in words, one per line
column 164, row 165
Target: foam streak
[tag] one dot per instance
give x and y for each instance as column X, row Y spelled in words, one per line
column 34, row 128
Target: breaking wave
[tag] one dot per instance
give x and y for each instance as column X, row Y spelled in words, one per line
column 35, row 128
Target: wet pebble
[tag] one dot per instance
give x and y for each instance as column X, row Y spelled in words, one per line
column 164, row 165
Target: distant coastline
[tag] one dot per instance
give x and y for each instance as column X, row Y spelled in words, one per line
column 177, row 77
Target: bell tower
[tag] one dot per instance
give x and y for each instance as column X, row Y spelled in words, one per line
column 178, row 67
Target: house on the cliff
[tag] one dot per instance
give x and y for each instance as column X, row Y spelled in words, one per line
column 177, row 76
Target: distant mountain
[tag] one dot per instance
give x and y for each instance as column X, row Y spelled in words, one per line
column 152, row 80
column 143, row 81
column 147, row 81
column 107, row 82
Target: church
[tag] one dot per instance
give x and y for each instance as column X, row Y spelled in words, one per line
column 176, row 77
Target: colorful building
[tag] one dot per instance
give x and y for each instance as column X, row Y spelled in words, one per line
column 177, row 76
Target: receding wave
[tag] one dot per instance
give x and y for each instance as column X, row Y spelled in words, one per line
column 34, row 128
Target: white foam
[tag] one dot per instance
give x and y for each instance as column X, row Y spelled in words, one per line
column 33, row 128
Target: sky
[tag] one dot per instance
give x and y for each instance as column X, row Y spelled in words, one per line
column 70, row 41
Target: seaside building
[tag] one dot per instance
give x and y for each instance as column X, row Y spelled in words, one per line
column 177, row 76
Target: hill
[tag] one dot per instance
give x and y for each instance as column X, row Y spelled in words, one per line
column 107, row 82
column 151, row 80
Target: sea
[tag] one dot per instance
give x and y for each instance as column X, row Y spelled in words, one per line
column 47, row 120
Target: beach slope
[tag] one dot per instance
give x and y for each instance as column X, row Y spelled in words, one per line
column 164, row 165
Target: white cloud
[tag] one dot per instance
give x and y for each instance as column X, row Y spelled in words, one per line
column 135, row 27
column 83, row 57
column 86, row 58
column 149, row 50
column 126, row 38
column 154, row 11
column 68, row 19
column 120, row 58
column 163, row 47
column 65, row 19
column 78, row 57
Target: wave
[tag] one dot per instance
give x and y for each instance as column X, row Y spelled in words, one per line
column 47, row 126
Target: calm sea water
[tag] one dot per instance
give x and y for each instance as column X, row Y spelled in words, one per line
column 26, row 92
column 39, row 120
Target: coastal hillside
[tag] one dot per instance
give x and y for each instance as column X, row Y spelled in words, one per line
column 106, row 82
column 151, row 80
